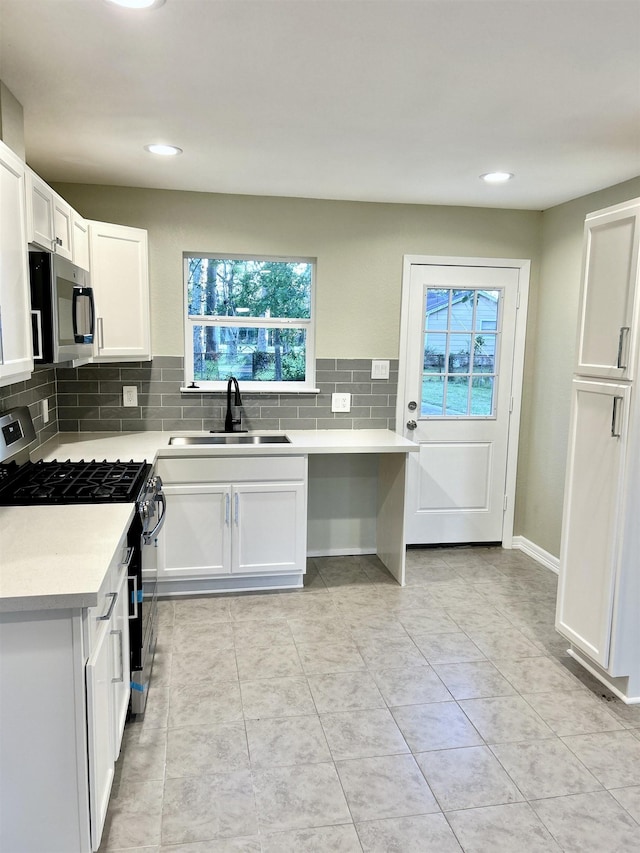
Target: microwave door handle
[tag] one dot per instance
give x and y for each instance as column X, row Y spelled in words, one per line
column 74, row 314
column 37, row 350
column 92, row 312
column 160, row 498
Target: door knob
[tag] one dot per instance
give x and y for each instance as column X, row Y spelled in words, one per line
column 411, row 424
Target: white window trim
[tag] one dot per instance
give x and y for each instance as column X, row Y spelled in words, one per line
column 287, row 387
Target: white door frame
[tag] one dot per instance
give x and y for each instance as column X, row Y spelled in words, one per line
column 524, row 268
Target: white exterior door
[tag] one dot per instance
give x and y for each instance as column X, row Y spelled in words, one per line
column 459, row 396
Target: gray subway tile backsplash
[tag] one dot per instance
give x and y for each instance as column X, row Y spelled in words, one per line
column 86, row 399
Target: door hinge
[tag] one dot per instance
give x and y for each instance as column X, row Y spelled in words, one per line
column 510, row 405
column 505, row 503
column 518, row 300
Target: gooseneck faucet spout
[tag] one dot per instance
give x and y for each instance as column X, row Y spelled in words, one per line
column 230, row 422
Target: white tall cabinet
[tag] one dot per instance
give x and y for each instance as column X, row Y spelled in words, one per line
column 598, row 607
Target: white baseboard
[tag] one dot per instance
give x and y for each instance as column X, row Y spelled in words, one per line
column 536, row 553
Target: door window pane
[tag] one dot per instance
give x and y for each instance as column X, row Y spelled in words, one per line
column 437, row 308
column 462, row 310
column 459, row 353
column 457, row 401
column 435, row 349
column 432, row 395
column 482, row 395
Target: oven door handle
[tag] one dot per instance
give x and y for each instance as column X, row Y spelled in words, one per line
column 160, row 498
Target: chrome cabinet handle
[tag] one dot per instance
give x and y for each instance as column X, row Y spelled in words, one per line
column 624, row 331
column 227, row 504
column 411, row 425
column 617, row 406
column 100, row 333
column 1, row 347
column 237, row 512
column 107, row 615
column 128, row 557
column 121, row 678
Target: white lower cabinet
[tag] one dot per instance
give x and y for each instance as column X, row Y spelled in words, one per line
column 108, row 688
column 64, row 693
column 250, row 524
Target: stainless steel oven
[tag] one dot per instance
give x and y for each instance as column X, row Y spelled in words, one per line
column 143, row 588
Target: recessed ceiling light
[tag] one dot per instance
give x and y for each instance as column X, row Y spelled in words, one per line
column 163, row 150
column 497, row 177
column 137, row 4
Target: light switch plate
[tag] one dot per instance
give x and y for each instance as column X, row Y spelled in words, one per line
column 341, row 402
column 129, row 395
column 379, row 368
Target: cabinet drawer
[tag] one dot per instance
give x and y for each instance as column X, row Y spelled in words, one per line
column 112, row 578
column 234, row 469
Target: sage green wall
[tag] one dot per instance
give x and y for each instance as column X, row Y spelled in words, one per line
column 359, row 247
column 550, row 360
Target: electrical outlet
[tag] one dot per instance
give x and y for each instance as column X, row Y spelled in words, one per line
column 341, row 402
column 129, row 395
column 379, row 368
column 44, row 410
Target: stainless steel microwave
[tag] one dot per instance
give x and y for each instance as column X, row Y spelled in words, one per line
column 62, row 309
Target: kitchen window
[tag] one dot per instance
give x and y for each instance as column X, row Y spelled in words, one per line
column 250, row 317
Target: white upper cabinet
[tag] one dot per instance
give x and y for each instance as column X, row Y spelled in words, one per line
column 16, row 355
column 120, row 280
column 80, row 241
column 608, row 307
column 39, row 201
column 62, row 227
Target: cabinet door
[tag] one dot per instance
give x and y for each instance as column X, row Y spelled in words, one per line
column 16, row 357
column 607, row 332
column 195, row 539
column 100, row 731
column 39, row 198
column 121, row 677
column 63, row 232
column 120, row 278
column 269, row 527
column 590, row 541
column 80, row 228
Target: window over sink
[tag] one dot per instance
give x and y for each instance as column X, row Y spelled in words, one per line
column 250, row 317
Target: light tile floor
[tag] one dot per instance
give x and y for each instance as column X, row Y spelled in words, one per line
column 358, row 716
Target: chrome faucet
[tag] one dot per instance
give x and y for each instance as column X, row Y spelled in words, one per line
column 230, row 422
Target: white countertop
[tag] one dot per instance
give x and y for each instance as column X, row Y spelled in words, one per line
column 148, row 446
column 54, row 557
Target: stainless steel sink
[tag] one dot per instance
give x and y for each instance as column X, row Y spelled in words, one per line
column 228, row 438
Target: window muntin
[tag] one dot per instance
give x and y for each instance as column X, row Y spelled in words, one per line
column 250, row 317
column 459, row 377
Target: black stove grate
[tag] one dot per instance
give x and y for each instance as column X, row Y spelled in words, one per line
column 72, row 482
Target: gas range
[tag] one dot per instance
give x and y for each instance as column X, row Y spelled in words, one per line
column 41, row 483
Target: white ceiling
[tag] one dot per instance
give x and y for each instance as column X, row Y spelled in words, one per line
column 374, row 100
